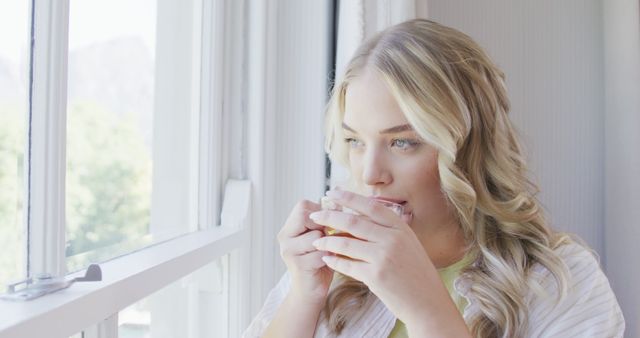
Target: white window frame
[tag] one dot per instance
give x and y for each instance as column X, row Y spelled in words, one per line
column 132, row 277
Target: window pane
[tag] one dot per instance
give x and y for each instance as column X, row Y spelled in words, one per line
column 14, row 98
column 195, row 306
column 129, row 118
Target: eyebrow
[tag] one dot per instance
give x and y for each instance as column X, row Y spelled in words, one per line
column 392, row 130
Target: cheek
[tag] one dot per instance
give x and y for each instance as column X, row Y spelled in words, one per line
column 355, row 173
column 423, row 169
column 356, row 162
column 423, row 177
column 355, row 165
column 423, row 186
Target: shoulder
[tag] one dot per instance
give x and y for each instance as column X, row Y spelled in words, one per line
column 588, row 308
column 581, row 264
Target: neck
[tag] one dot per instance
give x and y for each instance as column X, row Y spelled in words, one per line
column 444, row 244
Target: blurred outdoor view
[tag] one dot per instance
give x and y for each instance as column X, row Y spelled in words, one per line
column 14, row 72
column 109, row 128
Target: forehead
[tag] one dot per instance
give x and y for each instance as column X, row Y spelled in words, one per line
column 370, row 106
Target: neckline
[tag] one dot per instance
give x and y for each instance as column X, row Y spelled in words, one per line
column 466, row 259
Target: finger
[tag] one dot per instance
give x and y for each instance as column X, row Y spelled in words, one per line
column 348, row 267
column 356, row 225
column 345, row 246
column 311, row 261
column 300, row 245
column 309, row 223
column 367, row 206
column 299, row 221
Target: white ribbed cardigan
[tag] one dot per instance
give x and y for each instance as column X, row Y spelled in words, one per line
column 589, row 310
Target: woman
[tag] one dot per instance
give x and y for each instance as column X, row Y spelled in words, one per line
column 420, row 119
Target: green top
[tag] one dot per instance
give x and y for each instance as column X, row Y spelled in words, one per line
column 448, row 275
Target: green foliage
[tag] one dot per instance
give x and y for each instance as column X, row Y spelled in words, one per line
column 108, row 187
column 108, row 184
column 12, row 146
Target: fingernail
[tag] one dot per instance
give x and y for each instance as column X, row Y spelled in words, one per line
column 335, row 193
column 407, row 218
column 314, row 215
column 316, row 242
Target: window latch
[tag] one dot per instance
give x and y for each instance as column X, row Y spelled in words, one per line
column 42, row 284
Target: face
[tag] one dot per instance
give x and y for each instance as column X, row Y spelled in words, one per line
column 387, row 158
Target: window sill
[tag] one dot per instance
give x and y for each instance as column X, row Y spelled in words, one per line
column 130, row 278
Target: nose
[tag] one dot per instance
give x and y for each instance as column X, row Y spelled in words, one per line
column 376, row 169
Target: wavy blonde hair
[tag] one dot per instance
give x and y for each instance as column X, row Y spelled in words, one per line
column 454, row 96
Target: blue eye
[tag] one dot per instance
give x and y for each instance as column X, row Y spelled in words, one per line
column 404, row 144
column 352, row 142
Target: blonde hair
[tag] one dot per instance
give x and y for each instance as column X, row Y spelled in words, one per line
column 454, row 96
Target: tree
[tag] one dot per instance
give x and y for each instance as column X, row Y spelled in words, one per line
column 108, row 185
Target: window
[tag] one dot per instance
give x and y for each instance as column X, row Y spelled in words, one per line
column 130, row 126
column 125, row 129
column 109, row 129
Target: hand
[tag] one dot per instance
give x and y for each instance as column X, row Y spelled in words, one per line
column 387, row 256
column 310, row 277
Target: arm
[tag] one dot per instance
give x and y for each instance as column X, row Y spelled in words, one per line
column 444, row 323
column 296, row 317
